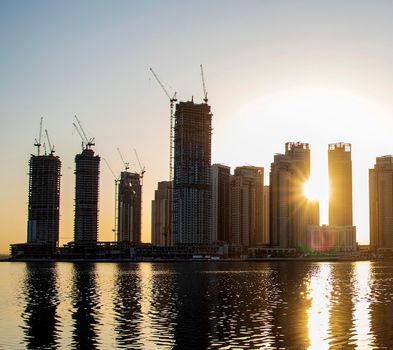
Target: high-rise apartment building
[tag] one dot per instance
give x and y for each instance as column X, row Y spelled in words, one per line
column 192, row 174
column 340, row 184
column 247, row 206
column 290, row 211
column 221, row 201
column 160, row 215
column 266, row 216
column 381, row 203
column 87, row 173
column 44, row 199
column 129, row 213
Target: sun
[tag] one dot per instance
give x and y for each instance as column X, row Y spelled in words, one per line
column 314, row 190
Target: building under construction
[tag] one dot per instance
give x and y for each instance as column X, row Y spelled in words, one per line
column 129, row 207
column 192, row 174
column 87, row 173
column 44, row 199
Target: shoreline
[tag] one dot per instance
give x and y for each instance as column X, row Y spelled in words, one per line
column 227, row 260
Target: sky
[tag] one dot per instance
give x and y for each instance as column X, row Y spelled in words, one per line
column 276, row 71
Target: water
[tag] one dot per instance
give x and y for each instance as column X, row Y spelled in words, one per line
column 268, row 305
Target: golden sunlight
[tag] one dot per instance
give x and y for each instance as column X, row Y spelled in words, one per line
column 316, row 191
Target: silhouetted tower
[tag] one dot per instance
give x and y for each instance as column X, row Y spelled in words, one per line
column 290, row 211
column 221, row 203
column 160, row 215
column 44, row 199
column 44, row 196
column 192, row 174
column 129, row 207
column 381, row 204
column 87, row 173
column 340, row 188
column 247, row 206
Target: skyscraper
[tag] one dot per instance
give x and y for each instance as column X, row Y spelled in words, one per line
column 247, row 206
column 192, row 174
column 381, row 203
column 129, row 208
column 44, row 199
column 221, row 200
column 266, row 216
column 340, row 179
column 87, row 173
column 290, row 211
column 160, row 215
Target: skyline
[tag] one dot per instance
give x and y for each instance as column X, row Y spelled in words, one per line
column 66, row 59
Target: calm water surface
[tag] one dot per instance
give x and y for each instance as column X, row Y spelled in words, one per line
column 275, row 305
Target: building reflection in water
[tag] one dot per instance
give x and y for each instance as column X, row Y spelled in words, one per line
column 127, row 305
column 162, row 309
column 85, row 302
column 40, row 315
column 191, row 303
column 381, row 309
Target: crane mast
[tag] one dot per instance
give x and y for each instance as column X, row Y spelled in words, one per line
column 172, row 101
column 115, row 228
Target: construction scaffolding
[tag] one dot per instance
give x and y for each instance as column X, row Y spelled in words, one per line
column 44, row 199
column 192, row 174
column 87, row 174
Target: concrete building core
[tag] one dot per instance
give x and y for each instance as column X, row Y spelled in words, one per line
column 192, row 174
column 129, row 211
column 340, row 184
column 44, row 200
column 381, row 204
column 87, row 173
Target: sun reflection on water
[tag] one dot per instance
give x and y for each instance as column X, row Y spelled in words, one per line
column 362, row 305
column 319, row 293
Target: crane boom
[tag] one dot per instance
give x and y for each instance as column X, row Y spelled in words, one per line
column 111, row 170
column 38, row 143
column 126, row 164
column 143, row 169
column 89, row 142
column 81, row 129
column 161, row 84
column 51, row 148
column 204, row 86
column 80, row 134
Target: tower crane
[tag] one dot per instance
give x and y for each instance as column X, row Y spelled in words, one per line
column 143, row 168
column 172, row 101
column 126, row 164
column 51, row 148
column 204, row 86
column 117, row 179
column 38, row 142
column 86, row 142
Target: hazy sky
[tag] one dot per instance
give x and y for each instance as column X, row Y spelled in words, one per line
column 276, row 71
